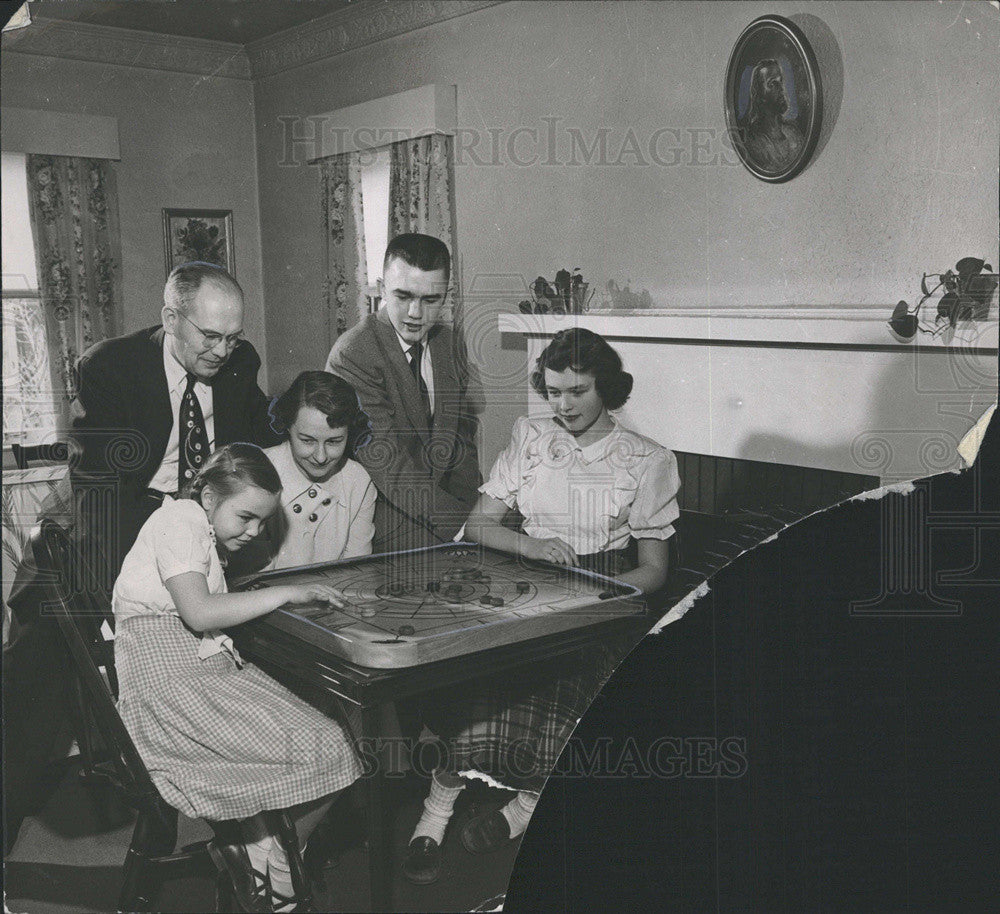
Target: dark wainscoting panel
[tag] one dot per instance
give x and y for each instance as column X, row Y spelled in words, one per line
column 727, row 485
column 729, row 505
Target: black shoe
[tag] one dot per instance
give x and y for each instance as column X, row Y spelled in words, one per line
column 486, row 832
column 251, row 889
column 422, row 861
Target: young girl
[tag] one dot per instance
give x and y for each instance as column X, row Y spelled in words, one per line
column 221, row 739
column 593, row 495
column 327, row 498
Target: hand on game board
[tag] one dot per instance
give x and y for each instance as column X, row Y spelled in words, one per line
column 315, row 593
column 549, row 550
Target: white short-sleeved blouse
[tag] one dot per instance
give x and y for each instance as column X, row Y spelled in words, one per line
column 592, row 497
column 176, row 539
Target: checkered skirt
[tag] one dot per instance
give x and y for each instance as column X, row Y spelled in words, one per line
column 221, row 741
column 515, row 731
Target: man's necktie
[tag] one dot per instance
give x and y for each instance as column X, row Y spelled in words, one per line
column 415, row 353
column 193, row 443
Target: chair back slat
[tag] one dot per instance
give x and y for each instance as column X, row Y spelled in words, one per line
column 80, row 621
column 25, row 455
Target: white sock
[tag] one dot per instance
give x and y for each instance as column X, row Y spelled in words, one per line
column 280, row 872
column 257, row 841
column 438, row 807
column 518, row 811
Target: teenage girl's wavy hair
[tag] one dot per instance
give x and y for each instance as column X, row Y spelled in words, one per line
column 333, row 397
column 585, row 351
column 230, row 469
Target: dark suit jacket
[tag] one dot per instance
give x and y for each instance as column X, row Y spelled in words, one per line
column 122, row 432
column 428, row 479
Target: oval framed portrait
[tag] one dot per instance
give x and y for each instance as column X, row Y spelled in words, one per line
column 774, row 99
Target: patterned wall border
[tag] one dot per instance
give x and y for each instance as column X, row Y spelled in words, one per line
column 353, row 27
column 110, row 45
column 360, row 24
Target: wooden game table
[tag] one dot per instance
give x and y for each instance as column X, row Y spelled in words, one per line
column 298, row 654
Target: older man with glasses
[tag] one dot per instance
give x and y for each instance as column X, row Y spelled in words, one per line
column 154, row 404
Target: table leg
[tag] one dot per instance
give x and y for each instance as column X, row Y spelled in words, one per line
column 379, row 830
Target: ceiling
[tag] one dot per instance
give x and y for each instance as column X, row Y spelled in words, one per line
column 239, row 21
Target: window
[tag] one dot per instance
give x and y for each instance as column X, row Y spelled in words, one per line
column 29, row 410
column 375, row 201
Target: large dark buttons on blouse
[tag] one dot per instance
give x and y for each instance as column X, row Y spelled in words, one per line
column 297, row 509
column 313, row 517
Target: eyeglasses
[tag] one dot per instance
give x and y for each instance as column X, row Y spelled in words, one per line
column 211, row 338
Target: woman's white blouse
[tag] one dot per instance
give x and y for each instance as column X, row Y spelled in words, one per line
column 592, row 497
column 320, row 521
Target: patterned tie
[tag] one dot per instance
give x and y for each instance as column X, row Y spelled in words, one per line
column 193, row 443
column 416, row 351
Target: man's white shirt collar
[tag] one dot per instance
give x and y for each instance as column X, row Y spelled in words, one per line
column 176, row 373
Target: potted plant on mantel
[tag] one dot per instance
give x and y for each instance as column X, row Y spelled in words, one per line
column 967, row 293
column 566, row 295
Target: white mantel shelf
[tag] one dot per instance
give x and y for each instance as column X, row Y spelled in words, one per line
column 806, row 327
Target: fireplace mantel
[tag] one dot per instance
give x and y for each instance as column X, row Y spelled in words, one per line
column 796, row 326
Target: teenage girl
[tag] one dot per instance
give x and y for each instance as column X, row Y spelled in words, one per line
column 593, row 495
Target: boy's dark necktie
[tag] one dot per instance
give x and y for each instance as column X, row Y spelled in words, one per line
column 415, row 353
column 193, row 439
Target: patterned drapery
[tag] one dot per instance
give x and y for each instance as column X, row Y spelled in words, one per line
column 422, row 195
column 74, row 224
column 345, row 285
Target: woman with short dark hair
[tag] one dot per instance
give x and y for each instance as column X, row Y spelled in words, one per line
column 327, row 498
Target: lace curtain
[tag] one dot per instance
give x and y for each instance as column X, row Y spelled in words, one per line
column 346, row 281
column 74, row 222
column 30, row 415
column 422, row 196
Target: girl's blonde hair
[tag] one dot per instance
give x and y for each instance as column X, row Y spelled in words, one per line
column 230, row 469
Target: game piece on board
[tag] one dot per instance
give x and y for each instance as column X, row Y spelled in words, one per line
column 486, row 601
column 496, row 601
column 407, row 630
column 523, row 587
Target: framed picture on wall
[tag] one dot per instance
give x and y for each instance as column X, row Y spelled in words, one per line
column 774, row 99
column 199, row 234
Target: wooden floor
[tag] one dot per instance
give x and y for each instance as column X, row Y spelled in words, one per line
column 65, row 863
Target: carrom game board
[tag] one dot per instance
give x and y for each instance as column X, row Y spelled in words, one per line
column 409, row 608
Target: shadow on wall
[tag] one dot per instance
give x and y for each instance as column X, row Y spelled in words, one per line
column 923, row 404
column 831, row 68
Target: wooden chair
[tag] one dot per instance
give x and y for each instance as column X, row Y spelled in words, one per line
column 151, row 856
column 56, row 452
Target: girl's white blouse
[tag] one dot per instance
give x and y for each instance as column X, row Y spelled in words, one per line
column 594, row 497
column 175, row 540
